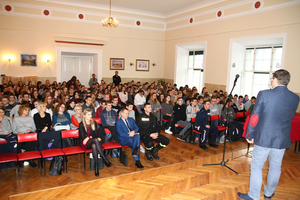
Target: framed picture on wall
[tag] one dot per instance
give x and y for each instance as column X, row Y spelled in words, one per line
column 117, row 64
column 28, row 60
column 142, row 65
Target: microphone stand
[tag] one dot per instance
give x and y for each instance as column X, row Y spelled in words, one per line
column 223, row 162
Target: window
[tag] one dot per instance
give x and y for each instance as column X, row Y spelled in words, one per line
column 260, row 63
column 195, row 70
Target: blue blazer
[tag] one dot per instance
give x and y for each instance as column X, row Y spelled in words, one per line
column 123, row 130
column 271, row 119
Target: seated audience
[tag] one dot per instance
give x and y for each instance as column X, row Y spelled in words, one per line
column 202, row 125
column 88, row 104
column 139, row 100
column 167, row 111
column 22, row 124
column 89, row 139
column 109, row 118
column 149, row 132
column 248, row 104
column 215, row 109
column 239, row 104
column 129, row 107
column 228, row 111
column 42, row 119
column 128, row 135
column 61, row 118
column 114, row 105
column 155, row 106
column 76, row 118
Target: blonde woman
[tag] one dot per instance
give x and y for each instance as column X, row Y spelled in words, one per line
column 88, row 137
column 42, row 119
column 155, row 105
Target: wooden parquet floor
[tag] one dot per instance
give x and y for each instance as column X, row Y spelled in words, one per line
column 178, row 174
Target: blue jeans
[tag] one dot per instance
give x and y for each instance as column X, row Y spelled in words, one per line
column 259, row 157
column 140, row 107
column 184, row 123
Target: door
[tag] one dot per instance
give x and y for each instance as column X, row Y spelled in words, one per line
column 79, row 66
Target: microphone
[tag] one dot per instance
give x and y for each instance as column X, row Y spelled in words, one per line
column 236, row 78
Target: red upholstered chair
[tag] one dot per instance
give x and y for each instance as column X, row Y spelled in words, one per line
column 193, row 122
column 216, row 117
column 50, row 153
column 247, row 114
column 28, row 155
column 8, row 157
column 97, row 120
column 72, row 150
column 239, row 115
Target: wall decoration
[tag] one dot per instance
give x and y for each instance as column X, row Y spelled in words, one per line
column 117, row 64
column 28, row 60
column 142, row 65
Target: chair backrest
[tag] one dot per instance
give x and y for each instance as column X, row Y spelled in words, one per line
column 3, row 141
column 70, row 133
column 193, row 120
column 97, row 120
column 247, row 114
column 27, row 137
column 239, row 114
column 107, row 131
column 214, row 117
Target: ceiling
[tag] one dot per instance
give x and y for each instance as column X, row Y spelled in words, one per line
column 159, row 8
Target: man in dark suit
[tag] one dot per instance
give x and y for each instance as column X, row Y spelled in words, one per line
column 269, row 129
column 128, row 135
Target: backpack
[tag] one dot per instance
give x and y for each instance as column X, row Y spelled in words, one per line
column 56, row 166
column 189, row 136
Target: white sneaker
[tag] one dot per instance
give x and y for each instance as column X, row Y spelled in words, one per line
column 168, row 131
column 142, row 149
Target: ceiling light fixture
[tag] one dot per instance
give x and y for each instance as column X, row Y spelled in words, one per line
column 110, row 21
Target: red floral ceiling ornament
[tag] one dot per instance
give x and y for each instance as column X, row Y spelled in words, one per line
column 46, row 12
column 8, row 8
column 257, row 4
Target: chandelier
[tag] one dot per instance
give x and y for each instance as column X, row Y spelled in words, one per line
column 110, row 21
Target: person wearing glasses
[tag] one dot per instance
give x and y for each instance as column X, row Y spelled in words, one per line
column 61, row 118
column 269, row 129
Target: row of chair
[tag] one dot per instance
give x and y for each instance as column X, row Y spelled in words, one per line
column 42, row 155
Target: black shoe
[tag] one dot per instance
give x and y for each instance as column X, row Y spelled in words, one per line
column 106, row 162
column 139, row 164
column 179, row 137
column 154, row 153
column 149, row 155
column 244, row 196
column 32, row 163
column 203, row 147
column 135, row 151
column 96, row 169
column 213, row 145
column 270, row 197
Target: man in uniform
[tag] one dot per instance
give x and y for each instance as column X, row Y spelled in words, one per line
column 149, row 132
column 202, row 125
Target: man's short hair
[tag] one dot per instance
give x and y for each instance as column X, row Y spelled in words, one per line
column 253, row 97
column 129, row 104
column 107, row 102
column 179, row 98
column 205, row 102
column 283, row 76
column 241, row 97
column 123, row 109
column 213, row 97
column 146, row 104
column 194, row 99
